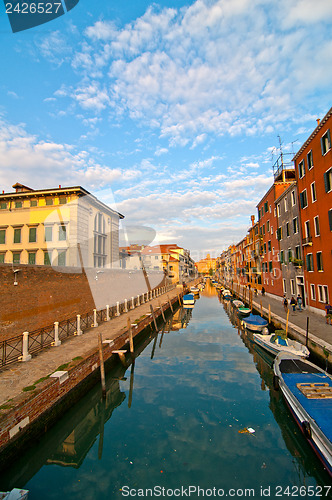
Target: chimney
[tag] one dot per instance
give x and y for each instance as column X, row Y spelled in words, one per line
column 59, row 186
column 318, row 121
column 252, row 220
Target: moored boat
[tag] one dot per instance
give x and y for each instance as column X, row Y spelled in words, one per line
column 279, row 343
column 244, row 311
column 255, row 323
column 188, row 299
column 237, row 303
column 14, row 494
column 194, row 290
column 307, row 390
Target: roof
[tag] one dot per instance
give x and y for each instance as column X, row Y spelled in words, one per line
column 314, row 133
column 24, row 191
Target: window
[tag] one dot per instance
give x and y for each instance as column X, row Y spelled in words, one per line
column 312, row 292
column 282, row 256
column 62, row 232
column 266, row 207
column 284, row 285
column 279, row 233
column 319, row 260
column 48, row 233
column 303, row 199
column 323, row 294
column 293, row 198
column 328, row 180
column 325, row 142
column 268, row 226
column 295, row 225
column 16, row 257
column 285, row 204
column 301, row 169
column 264, row 229
column 33, row 203
column 290, row 255
column 307, row 229
column 3, row 205
column 278, row 209
column 287, row 229
column 313, row 192
column 264, row 247
column 32, row 258
column 18, row 204
column 292, row 286
column 2, row 258
column 47, row 258
column 32, row 234
column 298, row 252
column 17, row 235
column 270, row 266
column 269, row 245
column 99, row 241
column 2, row 236
column 310, row 262
column 330, row 219
column 49, row 201
column 62, row 258
column 316, row 224
column 62, row 200
column 310, row 160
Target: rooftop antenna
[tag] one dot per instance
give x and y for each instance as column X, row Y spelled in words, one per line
column 281, row 156
column 293, row 142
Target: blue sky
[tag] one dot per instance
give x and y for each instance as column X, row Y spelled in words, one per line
column 170, row 111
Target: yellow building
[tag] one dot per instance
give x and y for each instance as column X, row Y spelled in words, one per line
column 204, row 265
column 59, row 227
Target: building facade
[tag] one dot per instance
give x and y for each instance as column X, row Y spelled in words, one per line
column 58, row 227
column 290, row 243
column 313, row 165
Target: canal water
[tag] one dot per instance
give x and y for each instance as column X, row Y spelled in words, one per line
column 178, row 419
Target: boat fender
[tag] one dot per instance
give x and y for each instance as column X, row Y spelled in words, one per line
column 306, row 429
column 276, row 382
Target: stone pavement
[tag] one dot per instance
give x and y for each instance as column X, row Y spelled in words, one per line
column 298, row 319
column 15, row 377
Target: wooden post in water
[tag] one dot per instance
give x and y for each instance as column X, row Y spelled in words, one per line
column 287, row 322
column 131, row 387
column 154, row 317
column 179, row 298
column 261, row 309
column 170, row 303
column 307, row 332
column 269, row 314
column 102, row 367
column 162, row 311
column 130, row 331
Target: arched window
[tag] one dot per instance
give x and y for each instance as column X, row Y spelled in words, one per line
column 99, row 252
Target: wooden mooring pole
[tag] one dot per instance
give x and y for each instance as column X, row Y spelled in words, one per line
column 307, row 332
column 102, row 367
column 170, row 303
column 287, row 322
column 154, row 317
column 130, row 331
column 162, row 311
column 269, row 314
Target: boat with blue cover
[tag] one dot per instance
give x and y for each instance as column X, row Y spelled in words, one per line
column 255, row 323
column 307, row 390
column 14, row 494
column 276, row 343
column 188, row 299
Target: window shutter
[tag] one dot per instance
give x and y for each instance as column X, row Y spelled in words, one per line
column 330, row 219
column 301, row 199
column 322, row 145
column 329, row 138
column 326, row 182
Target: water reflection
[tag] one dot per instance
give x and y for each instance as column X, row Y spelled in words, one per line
column 188, row 395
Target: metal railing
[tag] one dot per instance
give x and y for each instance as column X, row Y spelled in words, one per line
column 16, row 349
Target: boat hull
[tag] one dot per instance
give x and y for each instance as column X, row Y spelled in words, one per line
column 254, row 323
column 313, row 416
column 264, row 341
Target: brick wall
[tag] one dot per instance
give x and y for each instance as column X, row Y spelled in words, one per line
column 41, row 297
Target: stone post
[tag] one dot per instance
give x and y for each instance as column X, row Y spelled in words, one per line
column 78, row 325
column 25, row 352
column 56, row 342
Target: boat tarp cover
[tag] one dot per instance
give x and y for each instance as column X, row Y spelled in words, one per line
column 254, row 319
column 319, row 409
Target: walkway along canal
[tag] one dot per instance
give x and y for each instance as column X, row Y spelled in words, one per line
column 177, row 417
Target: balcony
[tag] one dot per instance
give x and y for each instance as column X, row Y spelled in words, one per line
column 307, row 241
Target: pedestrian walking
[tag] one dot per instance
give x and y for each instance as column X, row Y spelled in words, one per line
column 263, row 290
column 299, row 302
column 328, row 309
column 293, row 303
column 285, row 303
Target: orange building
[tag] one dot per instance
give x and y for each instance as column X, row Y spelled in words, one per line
column 204, row 265
column 270, row 232
column 313, row 164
